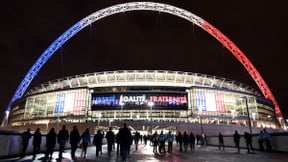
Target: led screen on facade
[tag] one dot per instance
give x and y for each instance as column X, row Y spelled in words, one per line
column 139, row 101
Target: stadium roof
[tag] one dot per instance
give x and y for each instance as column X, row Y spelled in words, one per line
column 141, row 78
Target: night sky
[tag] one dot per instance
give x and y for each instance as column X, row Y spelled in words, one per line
column 141, row 40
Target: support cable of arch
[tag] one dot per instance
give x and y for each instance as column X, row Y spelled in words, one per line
column 150, row 6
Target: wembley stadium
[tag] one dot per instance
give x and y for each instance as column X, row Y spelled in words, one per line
column 163, row 98
column 145, row 99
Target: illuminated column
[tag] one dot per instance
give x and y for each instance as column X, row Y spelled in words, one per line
column 110, row 121
column 121, row 104
column 99, row 117
column 131, row 113
column 151, row 105
column 138, row 116
column 5, row 119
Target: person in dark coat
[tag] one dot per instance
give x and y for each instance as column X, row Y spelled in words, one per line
column 155, row 141
column 267, row 138
column 97, row 141
column 110, row 140
column 36, row 142
column 63, row 137
column 86, row 139
column 145, row 137
column 136, row 139
column 26, row 135
column 186, row 141
column 261, row 140
column 50, row 143
column 180, row 140
column 221, row 141
column 248, row 140
column 74, row 140
column 192, row 141
column 236, row 138
column 125, row 137
column 118, row 143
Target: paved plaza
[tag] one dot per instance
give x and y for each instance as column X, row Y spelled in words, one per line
column 145, row 153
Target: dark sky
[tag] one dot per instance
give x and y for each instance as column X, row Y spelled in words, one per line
column 144, row 40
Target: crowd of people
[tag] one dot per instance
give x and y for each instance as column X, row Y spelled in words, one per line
column 124, row 139
column 264, row 137
column 184, row 141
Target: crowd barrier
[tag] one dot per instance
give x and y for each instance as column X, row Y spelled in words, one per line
column 11, row 144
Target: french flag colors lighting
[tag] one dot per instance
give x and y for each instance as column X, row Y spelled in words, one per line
column 69, row 102
column 210, row 102
column 60, row 100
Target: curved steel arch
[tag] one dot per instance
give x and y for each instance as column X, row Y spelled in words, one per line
column 151, row 6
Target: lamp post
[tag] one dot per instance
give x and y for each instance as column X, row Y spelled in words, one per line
column 248, row 115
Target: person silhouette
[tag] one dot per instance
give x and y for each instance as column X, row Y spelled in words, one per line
column 125, row 141
column 110, row 140
column 86, row 139
column 36, row 142
column 74, row 140
column 266, row 137
column 221, row 141
column 26, row 135
column 50, row 143
column 236, row 138
column 248, row 140
column 63, row 136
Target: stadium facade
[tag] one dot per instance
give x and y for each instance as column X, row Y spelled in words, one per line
column 144, row 95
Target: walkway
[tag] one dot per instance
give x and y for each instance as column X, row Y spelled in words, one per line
column 144, row 154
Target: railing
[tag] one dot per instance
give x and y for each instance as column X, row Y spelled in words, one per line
column 11, row 145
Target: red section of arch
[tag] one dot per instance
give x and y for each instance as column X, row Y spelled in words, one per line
column 244, row 61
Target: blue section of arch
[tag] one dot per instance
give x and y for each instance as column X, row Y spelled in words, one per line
column 43, row 59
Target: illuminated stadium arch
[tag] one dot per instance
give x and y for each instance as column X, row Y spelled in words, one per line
column 150, row 6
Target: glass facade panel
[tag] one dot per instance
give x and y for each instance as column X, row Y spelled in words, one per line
column 62, row 102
